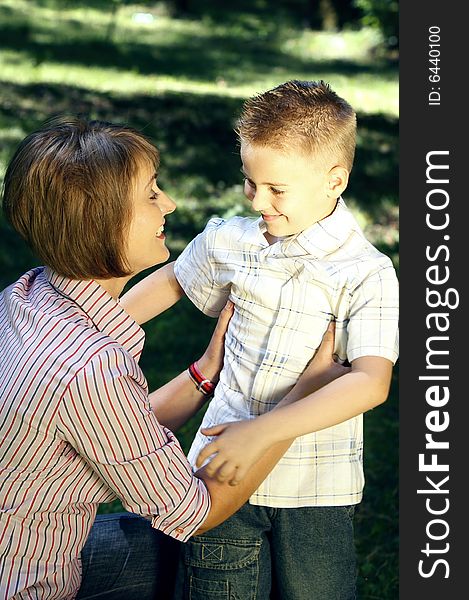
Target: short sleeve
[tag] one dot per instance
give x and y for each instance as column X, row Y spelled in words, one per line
column 373, row 328
column 106, row 416
column 197, row 272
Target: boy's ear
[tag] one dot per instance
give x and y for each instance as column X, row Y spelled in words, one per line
column 337, row 181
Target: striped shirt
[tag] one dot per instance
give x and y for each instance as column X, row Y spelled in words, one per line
column 76, row 430
column 285, row 294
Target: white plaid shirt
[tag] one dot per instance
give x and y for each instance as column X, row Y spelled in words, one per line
column 285, row 294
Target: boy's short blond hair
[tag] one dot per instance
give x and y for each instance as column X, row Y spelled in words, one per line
column 304, row 116
column 68, row 192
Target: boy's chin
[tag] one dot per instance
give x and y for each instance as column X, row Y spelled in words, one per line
column 280, row 232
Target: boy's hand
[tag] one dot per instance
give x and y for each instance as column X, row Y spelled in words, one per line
column 211, row 362
column 238, row 446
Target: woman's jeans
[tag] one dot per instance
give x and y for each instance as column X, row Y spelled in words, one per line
column 124, row 558
column 282, row 553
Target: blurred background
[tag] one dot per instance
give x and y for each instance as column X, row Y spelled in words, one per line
column 179, row 70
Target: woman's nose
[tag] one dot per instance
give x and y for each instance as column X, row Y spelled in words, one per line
column 167, row 205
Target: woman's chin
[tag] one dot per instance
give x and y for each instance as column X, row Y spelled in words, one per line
column 161, row 257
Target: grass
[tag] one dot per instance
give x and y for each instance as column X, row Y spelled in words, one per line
column 193, row 56
column 182, row 81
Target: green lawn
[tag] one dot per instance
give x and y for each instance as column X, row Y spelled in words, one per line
column 182, row 81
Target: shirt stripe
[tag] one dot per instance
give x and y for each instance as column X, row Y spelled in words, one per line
column 76, row 430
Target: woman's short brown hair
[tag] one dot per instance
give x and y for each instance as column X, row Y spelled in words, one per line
column 67, row 191
column 301, row 116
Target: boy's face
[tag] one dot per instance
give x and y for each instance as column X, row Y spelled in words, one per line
column 292, row 191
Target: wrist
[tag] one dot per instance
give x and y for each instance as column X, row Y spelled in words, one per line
column 202, row 383
column 208, row 368
column 268, row 427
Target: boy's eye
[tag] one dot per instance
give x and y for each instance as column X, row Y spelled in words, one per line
column 249, row 182
column 276, row 192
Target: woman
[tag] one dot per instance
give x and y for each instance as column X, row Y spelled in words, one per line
column 76, row 419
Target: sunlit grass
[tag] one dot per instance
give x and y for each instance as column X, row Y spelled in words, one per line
column 362, row 91
column 187, row 56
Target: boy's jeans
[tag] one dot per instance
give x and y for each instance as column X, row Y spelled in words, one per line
column 124, row 558
column 283, row 553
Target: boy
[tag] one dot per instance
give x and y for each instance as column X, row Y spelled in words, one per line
column 303, row 263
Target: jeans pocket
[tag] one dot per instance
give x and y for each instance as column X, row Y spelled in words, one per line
column 202, row 589
column 350, row 510
column 220, row 553
column 221, row 569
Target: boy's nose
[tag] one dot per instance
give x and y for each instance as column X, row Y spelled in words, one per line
column 259, row 202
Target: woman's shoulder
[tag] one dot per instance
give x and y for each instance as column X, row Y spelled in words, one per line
column 54, row 335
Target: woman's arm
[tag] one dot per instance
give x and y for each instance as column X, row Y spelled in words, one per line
column 178, row 400
column 227, row 499
column 153, row 295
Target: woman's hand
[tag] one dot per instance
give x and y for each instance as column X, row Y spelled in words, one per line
column 237, row 446
column 321, row 370
column 211, row 361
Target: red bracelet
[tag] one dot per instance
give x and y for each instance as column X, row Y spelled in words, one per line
column 202, row 384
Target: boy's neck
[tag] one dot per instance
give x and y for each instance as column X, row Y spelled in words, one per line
column 271, row 239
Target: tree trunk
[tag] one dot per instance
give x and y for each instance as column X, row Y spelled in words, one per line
column 328, row 15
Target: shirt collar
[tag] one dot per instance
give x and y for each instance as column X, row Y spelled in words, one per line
column 321, row 238
column 101, row 309
column 254, row 233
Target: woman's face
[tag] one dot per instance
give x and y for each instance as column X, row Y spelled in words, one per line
column 146, row 240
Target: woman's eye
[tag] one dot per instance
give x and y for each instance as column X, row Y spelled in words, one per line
column 154, row 196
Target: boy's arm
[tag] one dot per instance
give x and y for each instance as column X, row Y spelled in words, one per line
column 239, row 445
column 178, row 400
column 153, row 295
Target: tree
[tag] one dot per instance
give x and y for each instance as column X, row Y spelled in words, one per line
column 383, row 15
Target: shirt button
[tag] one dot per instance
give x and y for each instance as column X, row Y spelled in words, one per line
column 179, row 530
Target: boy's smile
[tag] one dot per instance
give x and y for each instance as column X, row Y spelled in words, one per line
column 292, row 191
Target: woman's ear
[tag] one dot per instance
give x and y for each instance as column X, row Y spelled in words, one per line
column 337, row 181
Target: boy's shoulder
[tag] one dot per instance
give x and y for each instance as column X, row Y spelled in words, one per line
column 232, row 229
column 357, row 245
column 361, row 259
column 232, row 224
column 362, row 249
column 340, row 243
